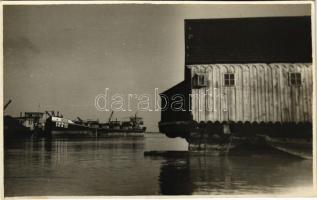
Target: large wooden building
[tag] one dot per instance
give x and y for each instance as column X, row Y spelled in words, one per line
column 247, row 73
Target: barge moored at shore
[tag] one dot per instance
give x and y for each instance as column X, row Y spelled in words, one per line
column 51, row 124
column 59, row 126
column 24, row 126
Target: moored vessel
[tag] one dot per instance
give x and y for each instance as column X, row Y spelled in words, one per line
column 60, row 126
column 132, row 127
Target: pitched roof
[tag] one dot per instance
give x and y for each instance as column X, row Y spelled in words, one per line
column 242, row 40
column 179, row 88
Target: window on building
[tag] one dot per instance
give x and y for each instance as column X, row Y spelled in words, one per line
column 295, row 79
column 199, row 80
column 229, row 79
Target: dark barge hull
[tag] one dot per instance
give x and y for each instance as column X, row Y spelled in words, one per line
column 63, row 127
column 291, row 138
column 66, row 128
column 103, row 130
column 121, row 132
column 14, row 130
column 284, row 130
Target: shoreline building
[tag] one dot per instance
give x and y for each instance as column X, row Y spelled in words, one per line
column 244, row 76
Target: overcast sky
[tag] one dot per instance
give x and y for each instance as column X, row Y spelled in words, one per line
column 61, row 57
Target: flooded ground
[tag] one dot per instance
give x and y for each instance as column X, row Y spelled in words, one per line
column 117, row 166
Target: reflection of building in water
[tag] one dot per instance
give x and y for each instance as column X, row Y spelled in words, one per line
column 175, row 178
column 238, row 175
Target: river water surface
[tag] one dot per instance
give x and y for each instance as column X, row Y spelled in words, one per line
column 117, row 166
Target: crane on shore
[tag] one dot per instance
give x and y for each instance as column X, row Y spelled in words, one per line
column 7, row 104
column 110, row 116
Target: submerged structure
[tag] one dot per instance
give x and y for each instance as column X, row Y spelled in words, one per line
column 244, row 77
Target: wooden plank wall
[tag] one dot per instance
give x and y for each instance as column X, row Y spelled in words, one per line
column 261, row 93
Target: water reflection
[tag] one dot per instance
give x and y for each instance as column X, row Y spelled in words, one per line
column 234, row 175
column 117, row 166
column 75, row 167
column 175, row 177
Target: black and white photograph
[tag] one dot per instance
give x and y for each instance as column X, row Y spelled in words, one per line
column 158, row 98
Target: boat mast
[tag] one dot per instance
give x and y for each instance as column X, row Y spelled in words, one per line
column 7, row 104
column 110, row 116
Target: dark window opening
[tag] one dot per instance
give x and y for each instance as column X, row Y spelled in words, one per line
column 295, row 79
column 199, row 80
column 229, row 79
